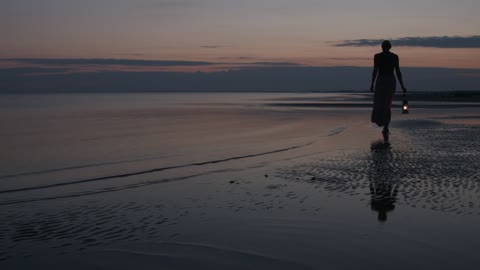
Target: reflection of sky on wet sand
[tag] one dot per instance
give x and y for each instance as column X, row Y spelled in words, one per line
column 237, row 178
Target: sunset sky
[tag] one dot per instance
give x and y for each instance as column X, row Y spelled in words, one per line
column 240, row 31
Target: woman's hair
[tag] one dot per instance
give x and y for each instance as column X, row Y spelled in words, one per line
column 386, row 45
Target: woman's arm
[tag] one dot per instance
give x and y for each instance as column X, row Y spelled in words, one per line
column 374, row 74
column 399, row 74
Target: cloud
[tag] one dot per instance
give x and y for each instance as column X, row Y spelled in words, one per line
column 236, row 58
column 31, row 70
column 162, row 4
column 100, row 65
column 433, row 42
column 105, row 62
column 131, row 54
column 210, row 46
column 275, row 64
column 348, row 58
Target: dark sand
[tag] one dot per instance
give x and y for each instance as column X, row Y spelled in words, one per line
column 245, row 186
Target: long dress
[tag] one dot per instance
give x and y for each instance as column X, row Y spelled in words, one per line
column 382, row 101
column 385, row 87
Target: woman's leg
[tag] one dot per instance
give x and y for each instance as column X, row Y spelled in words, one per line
column 388, row 109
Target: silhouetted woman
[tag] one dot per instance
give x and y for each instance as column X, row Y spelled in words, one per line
column 385, row 84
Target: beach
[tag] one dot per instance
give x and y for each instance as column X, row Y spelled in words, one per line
column 237, row 181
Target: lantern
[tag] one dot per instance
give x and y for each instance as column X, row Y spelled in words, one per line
column 404, row 105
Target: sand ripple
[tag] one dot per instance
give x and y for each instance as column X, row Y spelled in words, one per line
column 428, row 165
column 82, row 226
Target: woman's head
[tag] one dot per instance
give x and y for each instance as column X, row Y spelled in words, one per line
column 386, row 45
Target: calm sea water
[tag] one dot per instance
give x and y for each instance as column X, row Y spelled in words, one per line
column 65, row 135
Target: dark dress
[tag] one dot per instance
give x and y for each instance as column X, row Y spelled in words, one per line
column 385, row 86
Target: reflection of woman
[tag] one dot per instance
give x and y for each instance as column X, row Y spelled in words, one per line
column 383, row 188
column 385, row 85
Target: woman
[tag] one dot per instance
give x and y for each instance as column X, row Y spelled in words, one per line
column 385, row 85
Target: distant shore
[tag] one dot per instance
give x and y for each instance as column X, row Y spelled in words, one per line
column 430, row 100
column 454, row 96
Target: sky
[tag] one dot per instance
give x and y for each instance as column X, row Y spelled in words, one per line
column 238, row 33
column 216, row 30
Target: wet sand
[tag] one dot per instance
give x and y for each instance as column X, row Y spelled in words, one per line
column 240, row 184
